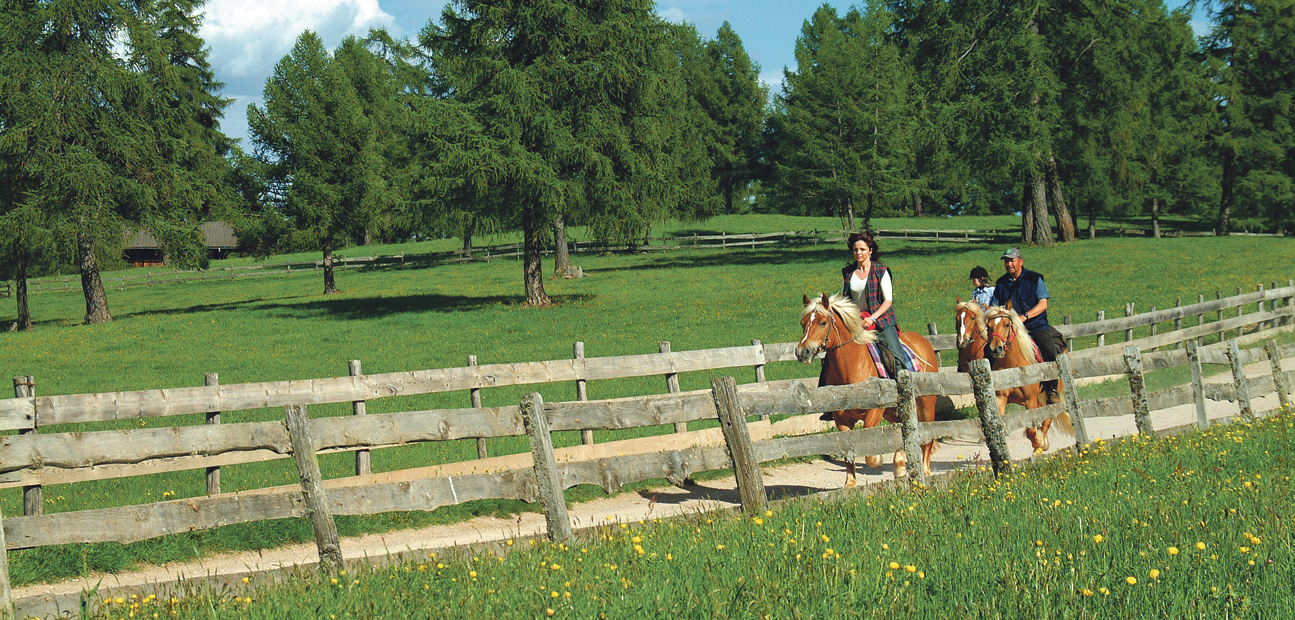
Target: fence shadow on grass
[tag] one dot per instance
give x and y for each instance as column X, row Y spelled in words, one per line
column 798, row 254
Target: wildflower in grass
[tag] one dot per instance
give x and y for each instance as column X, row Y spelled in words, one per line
column 824, row 538
column 549, row 611
column 1200, row 546
column 910, row 569
column 758, row 521
column 1104, row 591
column 719, row 547
column 1133, row 581
column 1173, row 550
column 1155, row 573
column 472, row 574
column 1086, row 591
column 1098, row 539
column 768, row 513
column 554, row 594
column 245, row 580
column 893, row 565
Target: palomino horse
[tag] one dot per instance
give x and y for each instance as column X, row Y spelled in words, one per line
column 969, row 328
column 833, row 325
column 1010, row 346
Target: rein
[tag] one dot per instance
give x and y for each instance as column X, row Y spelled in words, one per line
column 1011, row 332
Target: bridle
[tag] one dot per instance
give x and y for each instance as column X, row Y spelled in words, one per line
column 831, row 328
column 962, row 318
column 1011, row 332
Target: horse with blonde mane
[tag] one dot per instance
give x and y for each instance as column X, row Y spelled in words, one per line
column 970, row 330
column 833, row 326
column 1010, row 346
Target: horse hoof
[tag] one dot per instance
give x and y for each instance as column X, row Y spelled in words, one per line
column 850, row 484
column 901, row 472
column 872, row 461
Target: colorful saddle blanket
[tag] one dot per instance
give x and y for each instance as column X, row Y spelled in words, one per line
column 875, row 351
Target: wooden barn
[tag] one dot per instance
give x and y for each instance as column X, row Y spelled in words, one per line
column 142, row 249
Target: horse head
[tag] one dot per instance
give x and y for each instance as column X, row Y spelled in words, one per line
column 816, row 324
column 1004, row 327
column 968, row 322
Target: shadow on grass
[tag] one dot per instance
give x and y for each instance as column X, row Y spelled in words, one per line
column 797, row 254
column 342, row 307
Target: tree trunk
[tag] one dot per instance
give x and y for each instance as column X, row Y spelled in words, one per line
column 561, row 255
column 1155, row 218
column 96, row 301
column 1092, row 220
column 1027, row 214
column 1042, row 229
column 917, row 205
column 849, row 214
column 20, row 292
column 730, row 192
column 330, row 285
column 1065, row 223
column 1224, row 226
column 467, row 237
column 532, row 255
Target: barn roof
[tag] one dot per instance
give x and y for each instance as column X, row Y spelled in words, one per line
column 220, row 236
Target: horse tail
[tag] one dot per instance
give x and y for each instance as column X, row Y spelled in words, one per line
column 1064, row 422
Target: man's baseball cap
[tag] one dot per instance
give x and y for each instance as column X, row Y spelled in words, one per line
column 1012, row 253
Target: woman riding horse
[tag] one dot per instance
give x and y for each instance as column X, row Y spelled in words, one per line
column 833, row 325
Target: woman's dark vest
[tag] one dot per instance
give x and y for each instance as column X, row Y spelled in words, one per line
column 871, row 293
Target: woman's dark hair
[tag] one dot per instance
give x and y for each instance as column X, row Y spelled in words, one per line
column 979, row 272
column 866, row 237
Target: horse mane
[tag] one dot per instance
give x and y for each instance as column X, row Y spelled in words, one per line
column 977, row 314
column 1022, row 334
column 849, row 314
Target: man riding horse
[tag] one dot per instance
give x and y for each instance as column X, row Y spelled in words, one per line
column 1029, row 297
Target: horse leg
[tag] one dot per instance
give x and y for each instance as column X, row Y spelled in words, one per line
column 844, row 423
column 928, row 449
column 901, row 465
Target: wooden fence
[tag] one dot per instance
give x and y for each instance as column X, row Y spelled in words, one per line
column 31, row 458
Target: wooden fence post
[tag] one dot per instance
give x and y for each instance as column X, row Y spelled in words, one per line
column 6, row 593
column 991, row 423
column 906, row 408
column 474, row 395
column 1279, row 378
column 1070, row 396
column 1155, row 327
column 1101, row 338
column 672, row 384
column 1259, row 289
column 1128, row 311
column 759, row 376
column 547, row 476
column 1198, row 384
column 746, row 466
column 1200, row 317
column 1178, row 322
column 1241, row 329
column 312, row 487
column 213, row 417
column 933, row 329
column 24, row 386
column 359, row 407
column 1239, row 378
column 582, row 394
column 1070, row 342
column 1138, row 390
column 1219, row 315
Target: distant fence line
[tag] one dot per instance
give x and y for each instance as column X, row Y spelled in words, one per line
column 511, row 250
column 30, row 459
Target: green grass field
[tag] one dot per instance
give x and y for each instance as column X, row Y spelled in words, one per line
column 405, row 319
column 1195, row 526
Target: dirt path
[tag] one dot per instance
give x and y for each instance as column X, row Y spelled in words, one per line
column 784, row 481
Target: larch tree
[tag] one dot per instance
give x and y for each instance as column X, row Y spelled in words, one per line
column 320, row 154
column 572, row 109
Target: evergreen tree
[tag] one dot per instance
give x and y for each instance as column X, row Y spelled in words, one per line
column 320, row 154
column 562, row 108
column 843, row 132
column 734, row 102
column 94, row 129
column 1252, row 54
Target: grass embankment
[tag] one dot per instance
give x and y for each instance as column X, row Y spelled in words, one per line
column 403, row 319
column 1196, row 526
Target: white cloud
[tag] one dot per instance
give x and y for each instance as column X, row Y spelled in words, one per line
column 247, row 37
column 672, row 14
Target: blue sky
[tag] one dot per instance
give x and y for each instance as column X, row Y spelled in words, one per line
column 247, row 37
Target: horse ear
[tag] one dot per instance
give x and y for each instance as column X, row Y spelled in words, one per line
column 805, row 299
column 827, row 303
column 957, row 299
column 1008, row 305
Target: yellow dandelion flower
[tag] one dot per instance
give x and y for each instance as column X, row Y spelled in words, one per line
column 549, row 612
column 1173, row 550
column 1133, row 581
column 1200, row 546
column 893, row 565
column 554, row 594
column 1098, row 538
column 1155, row 573
column 910, row 569
column 719, row 547
column 472, row 574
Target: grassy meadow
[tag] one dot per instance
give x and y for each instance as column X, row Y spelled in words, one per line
column 395, row 319
column 1193, row 526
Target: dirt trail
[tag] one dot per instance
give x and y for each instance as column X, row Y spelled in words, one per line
column 783, row 481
